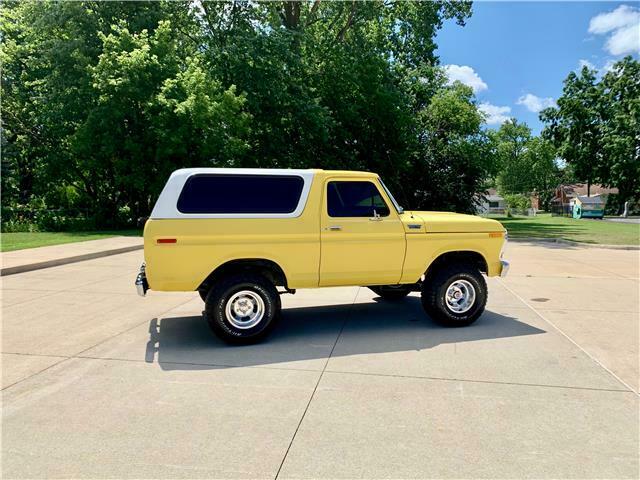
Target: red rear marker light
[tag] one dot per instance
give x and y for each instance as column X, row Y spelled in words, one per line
column 167, row 240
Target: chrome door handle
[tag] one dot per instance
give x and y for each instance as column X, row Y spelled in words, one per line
column 334, row 228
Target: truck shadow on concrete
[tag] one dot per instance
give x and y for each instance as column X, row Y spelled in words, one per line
column 306, row 336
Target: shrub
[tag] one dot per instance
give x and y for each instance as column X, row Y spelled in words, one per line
column 516, row 203
column 26, row 219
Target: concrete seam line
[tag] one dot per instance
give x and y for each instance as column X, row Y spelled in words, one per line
column 76, row 355
column 64, row 261
column 286, row 453
column 344, row 372
column 223, row 365
column 35, row 355
column 64, row 359
column 488, row 382
column 49, row 293
column 568, row 337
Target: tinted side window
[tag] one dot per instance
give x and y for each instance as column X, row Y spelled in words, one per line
column 220, row 193
column 355, row 199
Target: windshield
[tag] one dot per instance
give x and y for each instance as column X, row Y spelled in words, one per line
column 393, row 200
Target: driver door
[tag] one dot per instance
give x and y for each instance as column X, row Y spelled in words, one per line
column 362, row 237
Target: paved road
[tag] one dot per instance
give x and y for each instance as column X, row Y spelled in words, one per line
column 623, row 220
column 101, row 383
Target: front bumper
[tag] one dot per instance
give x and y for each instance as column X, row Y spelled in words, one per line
column 141, row 281
column 504, row 268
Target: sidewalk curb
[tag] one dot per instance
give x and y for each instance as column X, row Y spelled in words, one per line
column 562, row 241
column 63, row 261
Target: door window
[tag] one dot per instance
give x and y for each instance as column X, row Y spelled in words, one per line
column 355, row 199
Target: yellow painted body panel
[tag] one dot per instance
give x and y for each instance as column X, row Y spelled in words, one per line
column 362, row 251
column 422, row 250
column 203, row 244
column 443, row 232
column 449, row 222
column 396, row 249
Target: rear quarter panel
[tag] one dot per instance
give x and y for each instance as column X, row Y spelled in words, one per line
column 203, row 244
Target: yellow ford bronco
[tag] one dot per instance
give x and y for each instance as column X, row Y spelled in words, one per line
column 237, row 235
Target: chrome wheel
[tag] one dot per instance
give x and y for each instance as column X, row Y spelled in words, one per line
column 460, row 296
column 244, row 309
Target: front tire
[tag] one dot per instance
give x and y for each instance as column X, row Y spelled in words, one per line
column 455, row 295
column 242, row 309
column 391, row 293
column 203, row 292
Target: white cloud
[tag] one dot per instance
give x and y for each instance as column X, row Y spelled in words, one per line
column 622, row 16
column 625, row 40
column 494, row 114
column 535, row 103
column 466, row 75
column 623, row 27
column 586, row 63
column 607, row 67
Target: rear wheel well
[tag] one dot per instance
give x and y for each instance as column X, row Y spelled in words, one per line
column 466, row 257
column 267, row 268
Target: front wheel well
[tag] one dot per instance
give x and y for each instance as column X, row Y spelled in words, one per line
column 267, row 268
column 467, row 257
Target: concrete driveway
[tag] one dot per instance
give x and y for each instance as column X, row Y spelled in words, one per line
column 99, row 383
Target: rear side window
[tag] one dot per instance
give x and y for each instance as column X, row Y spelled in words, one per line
column 218, row 193
column 355, row 199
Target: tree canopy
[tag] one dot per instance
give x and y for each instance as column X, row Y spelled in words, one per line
column 595, row 126
column 103, row 99
column 526, row 164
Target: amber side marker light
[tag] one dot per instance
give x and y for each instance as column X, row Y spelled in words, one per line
column 167, row 240
column 495, row 234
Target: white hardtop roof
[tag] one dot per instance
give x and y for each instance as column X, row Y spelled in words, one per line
column 245, row 171
column 303, row 172
column 166, row 205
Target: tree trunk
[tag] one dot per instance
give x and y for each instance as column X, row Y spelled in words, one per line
column 291, row 15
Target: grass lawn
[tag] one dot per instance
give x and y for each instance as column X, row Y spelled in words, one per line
column 583, row 230
column 20, row 240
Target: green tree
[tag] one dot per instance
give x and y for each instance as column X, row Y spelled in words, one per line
column 574, row 127
column 595, row 126
column 511, row 141
column 453, row 156
column 620, row 128
column 329, row 84
column 165, row 111
column 103, row 99
column 526, row 164
column 47, row 90
column 108, row 98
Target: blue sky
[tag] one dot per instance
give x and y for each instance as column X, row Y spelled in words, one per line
column 516, row 54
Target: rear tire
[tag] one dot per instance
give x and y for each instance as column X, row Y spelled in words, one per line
column 455, row 295
column 391, row 293
column 242, row 309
